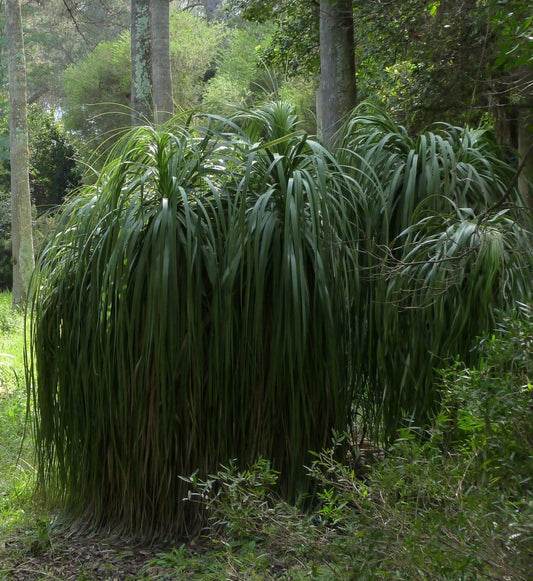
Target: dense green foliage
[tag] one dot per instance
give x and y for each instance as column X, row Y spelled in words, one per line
column 424, row 60
column 213, row 66
column 16, row 472
column 449, row 503
column 98, row 86
column 451, row 61
column 230, row 291
column 453, row 505
column 460, row 495
column 228, row 296
column 235, row 80
column 434, row 259
column 58, row 34
column 191, row 290
column 54, row 172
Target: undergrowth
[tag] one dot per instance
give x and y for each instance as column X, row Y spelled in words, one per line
column 16, row 471
column 451, row 502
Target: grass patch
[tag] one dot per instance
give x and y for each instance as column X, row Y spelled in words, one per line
column 16, row 468
column 11, row 345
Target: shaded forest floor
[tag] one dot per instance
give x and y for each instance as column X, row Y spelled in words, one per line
column 38, row 553
column 72, row 558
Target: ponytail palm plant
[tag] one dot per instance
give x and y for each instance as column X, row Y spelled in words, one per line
column 236, row 291
column 190, row 309
column 436, row 260
column 291, row 315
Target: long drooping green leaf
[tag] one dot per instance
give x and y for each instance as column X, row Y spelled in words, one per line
column 230, row 289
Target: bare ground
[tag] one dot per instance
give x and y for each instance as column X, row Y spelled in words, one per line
column 76, row 558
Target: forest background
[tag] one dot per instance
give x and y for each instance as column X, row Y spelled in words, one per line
column 464, row 63
column 461, row 62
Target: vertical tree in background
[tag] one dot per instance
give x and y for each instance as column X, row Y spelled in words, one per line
column 161, row 69
column 22, row 238
column 510, row 86
column 141, row 62
column 212, row 9
column 337, row 92
column 525, row 135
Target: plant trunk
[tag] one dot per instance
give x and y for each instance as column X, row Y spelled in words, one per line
column 212, row 9
column 525, row 147
column 21, row 223
column 141, row 63
column 162, row 72
column 337, row 92
column 525, row 135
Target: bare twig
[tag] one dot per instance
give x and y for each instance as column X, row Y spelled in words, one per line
column 509, row 190
column 73, row 18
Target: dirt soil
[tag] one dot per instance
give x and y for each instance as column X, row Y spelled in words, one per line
column 77, row 558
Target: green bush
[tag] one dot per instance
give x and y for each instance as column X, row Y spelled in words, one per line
column 449, row 502
column 237, row 77
column 454, row 501
column 54, row 170
column 487, row 411
column 254, row 531
column 98, row 91
column 196, row 295
column 437, row 254
column 98, row 87
column 54, row 173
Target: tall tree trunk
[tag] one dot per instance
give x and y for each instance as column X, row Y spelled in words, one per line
column 141, row 63
column 525, row 134
column 337, row 93
column 212, row 9
column 525, row 148
column 21, row 227
column 162, row 72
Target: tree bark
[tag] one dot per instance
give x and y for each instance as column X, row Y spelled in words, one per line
column 525, row 135
column 162, row 72
column 525, row 148
column 337, row 92
column 21, row 222
column 212, row 8
column 141, row 63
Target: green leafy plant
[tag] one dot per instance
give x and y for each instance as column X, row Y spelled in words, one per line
column 487, row 410
column 198, row 292
column 231, row 289
column 237, row 500
column 54, row 173
column 444, row 239
column 451, row 501
column 16, row 469
column 258, row 534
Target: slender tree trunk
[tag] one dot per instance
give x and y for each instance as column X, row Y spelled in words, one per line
column 525, row 147
column 525, row 134
column 212, row 8
column 337, row 92
column 141, row 63
column 21, row 223
column 162, row 72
